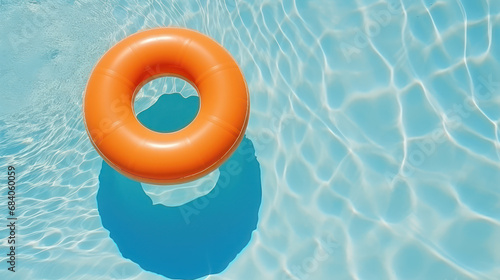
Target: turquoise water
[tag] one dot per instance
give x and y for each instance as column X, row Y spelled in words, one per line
column 375, row 124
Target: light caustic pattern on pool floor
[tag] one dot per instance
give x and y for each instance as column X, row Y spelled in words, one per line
column 375, row 124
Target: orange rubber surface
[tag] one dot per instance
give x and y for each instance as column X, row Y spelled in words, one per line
column 166, row 158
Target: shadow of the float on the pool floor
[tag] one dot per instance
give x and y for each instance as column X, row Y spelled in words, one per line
column 193, row 240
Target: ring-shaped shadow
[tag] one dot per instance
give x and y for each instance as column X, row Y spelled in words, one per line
column 192, row 240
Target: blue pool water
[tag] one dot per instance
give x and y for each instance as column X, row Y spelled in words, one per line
column 375, row 125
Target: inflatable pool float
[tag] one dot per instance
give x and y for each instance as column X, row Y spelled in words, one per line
column 166, row 158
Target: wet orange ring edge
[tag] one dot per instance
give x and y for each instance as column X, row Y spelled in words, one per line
column 166, row 158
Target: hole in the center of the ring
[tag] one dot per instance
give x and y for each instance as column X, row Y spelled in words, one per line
column 171, row 104
column 177, row 90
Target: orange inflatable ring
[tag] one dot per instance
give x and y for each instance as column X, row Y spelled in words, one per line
column 162, row 158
